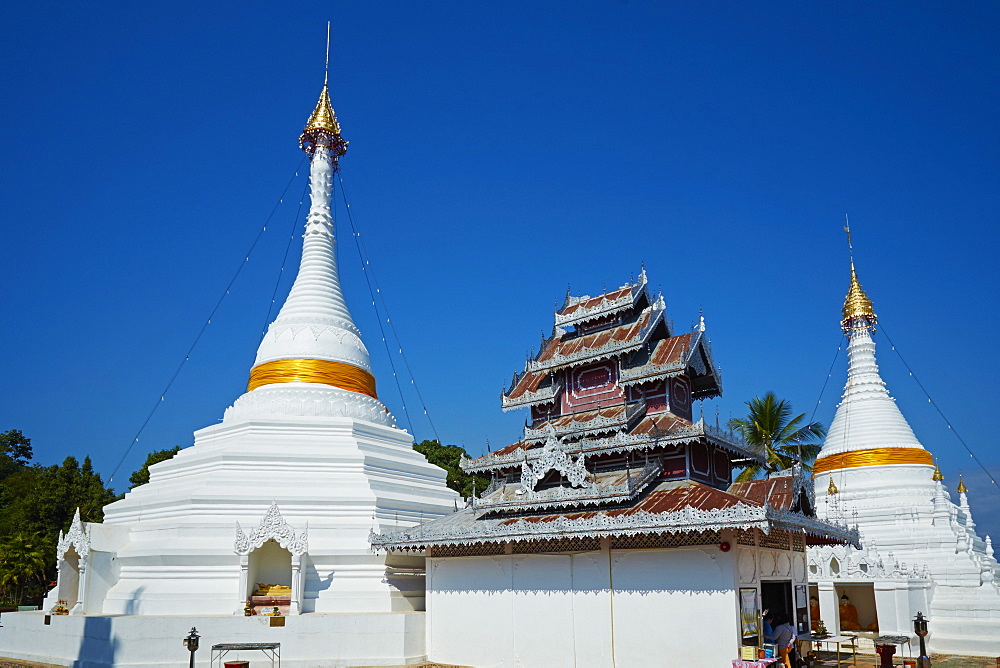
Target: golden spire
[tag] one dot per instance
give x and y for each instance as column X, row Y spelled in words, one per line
column 322, row 128
column 323, row 117
column 962, row 489
column 832, row 489
column 938, row 476
column 856, row 304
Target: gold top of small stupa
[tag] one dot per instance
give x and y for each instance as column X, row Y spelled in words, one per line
column 938, row 476
column 323, row 117
column 832, row 489
column 857, row 304
column 962, row 489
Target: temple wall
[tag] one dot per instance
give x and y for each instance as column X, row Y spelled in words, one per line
column 562, row 610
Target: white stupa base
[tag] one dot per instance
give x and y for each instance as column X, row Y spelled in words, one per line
column 920, row 534
column 314, row 641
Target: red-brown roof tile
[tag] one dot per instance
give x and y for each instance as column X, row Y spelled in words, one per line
column 620, row 334
column 777, row 492
column 668, row 497
column 595, row 301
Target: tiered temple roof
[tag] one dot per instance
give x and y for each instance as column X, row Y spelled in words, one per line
column 612, row 447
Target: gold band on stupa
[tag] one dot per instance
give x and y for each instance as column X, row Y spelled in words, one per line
column 872, row 457
column 338, row 374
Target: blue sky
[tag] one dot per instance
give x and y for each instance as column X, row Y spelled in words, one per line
column 499, row 151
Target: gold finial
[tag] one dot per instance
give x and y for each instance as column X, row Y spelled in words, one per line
column 938, row 476
column 962, row 489
column 323, row 117
column 322, row 128
column 856, row 304
column 832, row 489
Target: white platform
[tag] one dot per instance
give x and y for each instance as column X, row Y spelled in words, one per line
column 146, row 641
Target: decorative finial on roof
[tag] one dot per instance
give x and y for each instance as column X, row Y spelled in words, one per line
column 832, row 489
column 962, row 489
column 858, row 310
column 322, row 128
column 938, row 476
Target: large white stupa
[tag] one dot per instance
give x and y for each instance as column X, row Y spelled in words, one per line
column 921, row 552
column 283, row 493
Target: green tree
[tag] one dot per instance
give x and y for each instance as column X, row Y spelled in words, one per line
column 769, row 425
column 22, row 566
column 141, row 477
column 15, row 451
column 448, row 457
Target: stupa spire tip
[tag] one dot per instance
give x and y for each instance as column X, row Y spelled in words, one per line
column 858, row 309
column 323, row 128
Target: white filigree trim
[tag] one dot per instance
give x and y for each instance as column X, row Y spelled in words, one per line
column 272, row 526
column 450, row 531
column 553, row 456
column 76, row 537
column 318, row 401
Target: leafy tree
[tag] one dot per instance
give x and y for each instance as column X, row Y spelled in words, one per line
column 38, row 502
column 141, row 477
column 769, row 425
column 447, row 457
column 15, row 451
column 22, row 564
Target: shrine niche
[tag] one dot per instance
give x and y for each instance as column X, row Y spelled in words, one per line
column 271, row 566
column 72, row 557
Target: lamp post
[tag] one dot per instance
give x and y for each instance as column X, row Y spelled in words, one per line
column 191, row 642
column 920, row 628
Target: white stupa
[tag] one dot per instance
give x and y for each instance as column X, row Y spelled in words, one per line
column 921, row 550
column 283, row 493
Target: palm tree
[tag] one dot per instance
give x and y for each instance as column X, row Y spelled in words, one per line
column 770, row 427
column 22, row 562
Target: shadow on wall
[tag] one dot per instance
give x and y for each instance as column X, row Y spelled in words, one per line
column 97, row 646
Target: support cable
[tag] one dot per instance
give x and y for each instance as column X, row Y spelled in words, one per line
column 208, row 321
column 940, row 412
column 363, row 252
column 284, row 261
column 826, row 381
column 369, row 278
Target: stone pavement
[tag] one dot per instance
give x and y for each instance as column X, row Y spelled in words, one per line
column 829, row 660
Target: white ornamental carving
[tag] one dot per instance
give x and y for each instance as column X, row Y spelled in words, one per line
column 77, row 537
column 553, row 457
column 272, row 527
column 311, row 402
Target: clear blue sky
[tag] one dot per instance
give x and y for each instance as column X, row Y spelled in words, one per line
column 499, row 151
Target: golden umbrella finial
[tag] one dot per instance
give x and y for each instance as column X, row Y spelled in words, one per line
column 858, row 310
column 938, row 476
column 322, row 128
column 962, row 489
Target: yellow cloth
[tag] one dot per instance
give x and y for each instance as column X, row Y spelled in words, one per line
column 872, row 457
column 338, row 374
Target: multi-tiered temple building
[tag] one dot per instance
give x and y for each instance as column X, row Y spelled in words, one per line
column 270, row 508
column 922, row 552
column 612, row 533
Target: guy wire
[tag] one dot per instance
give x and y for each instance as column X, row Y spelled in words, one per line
column 208, row 321
column 385, row 308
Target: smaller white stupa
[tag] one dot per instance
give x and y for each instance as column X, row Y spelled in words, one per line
column 271, row 509
column 921, row 552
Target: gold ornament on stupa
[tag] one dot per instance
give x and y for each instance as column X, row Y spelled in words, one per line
column 857, row 304
column 962, row 489
column 938, row 476
column 323, row 129
column 832, row 489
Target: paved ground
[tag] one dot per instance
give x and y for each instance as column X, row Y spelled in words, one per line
column 828, row 660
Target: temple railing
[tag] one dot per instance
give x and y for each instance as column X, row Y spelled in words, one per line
column 556, row 497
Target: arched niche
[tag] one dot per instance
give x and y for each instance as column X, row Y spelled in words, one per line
column 271, row 554
column 72, row 556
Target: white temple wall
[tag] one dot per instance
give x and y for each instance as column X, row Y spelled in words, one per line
column 561, row 610
column 137, row 641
